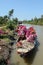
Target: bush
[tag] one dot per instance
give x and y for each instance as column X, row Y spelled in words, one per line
column 10, row 25
column 3, row 36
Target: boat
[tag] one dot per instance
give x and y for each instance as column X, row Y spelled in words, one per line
column 25, row 48
column 27, row 38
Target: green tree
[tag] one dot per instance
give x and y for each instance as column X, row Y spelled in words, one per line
column 41, row 16
column 15, row 20
column 11, row 13
column 10, row 25
column 35, row 20
column 5, row 19
column 1, row 20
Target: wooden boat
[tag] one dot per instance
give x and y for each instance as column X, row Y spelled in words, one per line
column 26, row 47
column 28, row 37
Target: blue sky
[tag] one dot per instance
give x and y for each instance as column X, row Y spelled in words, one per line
column 23, row 9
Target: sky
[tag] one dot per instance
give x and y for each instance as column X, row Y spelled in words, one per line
column 23, row 9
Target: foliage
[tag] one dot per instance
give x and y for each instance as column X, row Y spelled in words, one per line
column 10, row 25
column 11, row 22
column 15, row 20
column 36, row 21
column 11, row 13
column 7, row 21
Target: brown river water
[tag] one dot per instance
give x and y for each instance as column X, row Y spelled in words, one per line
column 36, row 57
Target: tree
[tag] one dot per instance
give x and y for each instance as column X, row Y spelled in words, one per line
column 15, row 20
column 11, row 13
column 1, row 20
column 5, row 19
column 35, row 20
column 41, row 16
column 10, row 25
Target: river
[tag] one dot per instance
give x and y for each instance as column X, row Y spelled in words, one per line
column 36, row 57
